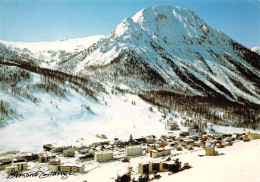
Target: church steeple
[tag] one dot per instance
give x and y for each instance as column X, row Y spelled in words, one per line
column 130, row 139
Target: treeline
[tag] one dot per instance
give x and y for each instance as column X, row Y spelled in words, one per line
column 48, row 87
column 207, row 107
column 13, row 76
column 80, row 84
column 10, row 77
column 5, row 110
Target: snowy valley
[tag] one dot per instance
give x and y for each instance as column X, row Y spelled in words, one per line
column 163, row 65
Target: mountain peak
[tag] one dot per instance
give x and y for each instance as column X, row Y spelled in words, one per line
column 256, row 49
column 160, row 10
column 173, row 23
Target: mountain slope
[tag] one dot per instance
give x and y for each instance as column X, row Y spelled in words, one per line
column 162, row 60
column 46, row 54
column 47, row 108
column 171, row 48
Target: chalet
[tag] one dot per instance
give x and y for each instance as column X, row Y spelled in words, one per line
column 18, row 159
column 99, row 148
column 196, row 144
column 133, row 150
column 5, row 163
column 60, row 149
column 150, row 139
column 30, row 157
column 69, row 153
column 83, row 151
column 103, row 156
column 187, row 142
column 102, row 136
column 161, row 142
column 47, row 147
column 202, row 133
column 209, row 149
column 95, row 144
column 194, row 128
column 190, row 148
column 82, row 147
column 204, row 137
column 184, row 134
column 234, row 136
column 239, row 137
column 194, row 138
column 226, row 135
column 218, row 138
column 229, row 139
column 245, row 138
column 227, row 144
column 140, row 140
column 87, row 157
column 109, row 147
column 202, row 144
column 179, row 148
column 253, row 136
column 179, row 139
column 151, row 147
column 174, row 144
column 42, row 158
column 219, row 145
column 169, row 140
column 170, row 125
column 171, row 137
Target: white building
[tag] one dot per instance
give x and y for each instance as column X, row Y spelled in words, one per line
column 11, row 170
column 103, row 156
column 133, row 150
column 160, row 152
column 21, row 166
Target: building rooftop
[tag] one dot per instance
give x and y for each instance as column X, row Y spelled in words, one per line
column 104, row 152
column 135, row 146
column 69, row 150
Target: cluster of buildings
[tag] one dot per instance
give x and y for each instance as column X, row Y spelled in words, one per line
column 106, row 151
column 13, row 165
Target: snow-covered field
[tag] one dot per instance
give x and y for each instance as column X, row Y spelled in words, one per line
column 64, row 120
column 238, row 163
column 171, row 41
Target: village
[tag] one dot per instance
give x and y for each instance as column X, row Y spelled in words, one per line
column 154, row 154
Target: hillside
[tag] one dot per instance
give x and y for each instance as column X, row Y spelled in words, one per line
column 171, row 48
column 47, row 54
column 163, row 61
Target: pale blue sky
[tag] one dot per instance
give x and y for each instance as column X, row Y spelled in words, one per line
column 49, row 20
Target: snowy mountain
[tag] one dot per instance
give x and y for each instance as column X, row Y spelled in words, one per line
column 47, row 54
column 163, row 60
column 171, row 47
column 256, row 49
